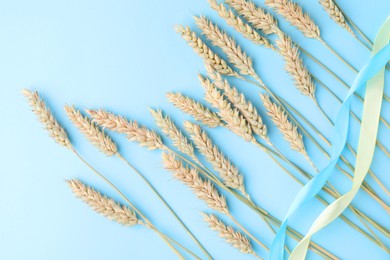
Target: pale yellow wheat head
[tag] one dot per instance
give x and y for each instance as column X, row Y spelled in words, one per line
column 247, row 109
column 235, row 121
column 255, row 15
column 294, row 14
column 294, row 66
column 203, row 189
column 103, row 205
column 239, row 25
column 91, row 131
column 219, row 38
column 170, row 129
column 204, row 51
column 282, row 122
column 335, row 13
column 195, row 109
column 235, row 238
column 225, row 168
column 132, row 130
column 38, row 106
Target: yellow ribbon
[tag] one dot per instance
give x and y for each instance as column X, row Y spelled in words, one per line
column 366, row 148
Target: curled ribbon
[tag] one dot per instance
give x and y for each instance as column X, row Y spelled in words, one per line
column 367, row 138
column 338, row 140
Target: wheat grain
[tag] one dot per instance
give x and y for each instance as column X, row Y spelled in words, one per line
column 132, row 130
column 103, row 205
column 239, row 25
column 294, row 66
column 203, row 189
column 220, row 38
column 335, row 13
column 239, row 101
column 170, row 129
column 44, row 115
column 225, row 168
column 91, row 131
column 255, row 15
column 287, row 128
column 235, row 122
column 294, row 14
column 235, row 238
column 195, row 109
column 204, row 51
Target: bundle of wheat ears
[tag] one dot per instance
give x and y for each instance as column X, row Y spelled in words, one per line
column 189, row 149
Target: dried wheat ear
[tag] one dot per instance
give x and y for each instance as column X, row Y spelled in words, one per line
column 294, row 14
column 235, row 238
column 335, row 13
column 235, row 122
column 245, row 107
column 221, row 164
column 294, row 66
column 221, row 39
column 239, row 25
column 44, row 115
column 195, row 109
column 203, row 189
column 179, row 140
column 255, row 15
column 103, row 205
column 204, row 51
column 287, row 128
column 132, row 130
column 91, row 131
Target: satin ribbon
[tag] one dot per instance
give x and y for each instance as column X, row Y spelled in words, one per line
column 367, row 139
column 338, row 140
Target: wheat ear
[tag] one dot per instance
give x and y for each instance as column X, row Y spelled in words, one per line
column 132, row 130
column 235, row 238
column 44, row 115
column 294, row 14
column 204, row 51
column 91, row 131
column 294, row 66
column 247, row 109
column 255, row 15
column 195, row 109
column 287, row 128
column 335, row 13
column 203, row 189
column 219, row 38
column 172, row 131
column 103, row 205
column 239, row 25
column 225, row 168
column 235, row 122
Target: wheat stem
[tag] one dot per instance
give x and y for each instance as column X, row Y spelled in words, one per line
column 345, row 85
column 128, row 201
column 166, row 205
column 339, row 56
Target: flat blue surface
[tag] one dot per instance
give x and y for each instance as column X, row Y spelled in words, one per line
column 125, row 57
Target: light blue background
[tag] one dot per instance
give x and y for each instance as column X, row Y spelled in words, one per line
column 125, row 56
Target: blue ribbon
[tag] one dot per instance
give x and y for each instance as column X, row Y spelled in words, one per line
column 338, row 140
